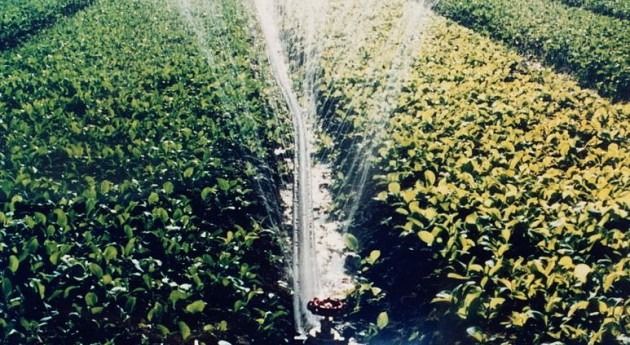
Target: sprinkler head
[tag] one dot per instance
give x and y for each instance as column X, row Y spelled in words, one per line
column 327, row 307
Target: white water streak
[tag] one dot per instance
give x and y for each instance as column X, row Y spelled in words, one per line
column 305, row 282
column 338, row 34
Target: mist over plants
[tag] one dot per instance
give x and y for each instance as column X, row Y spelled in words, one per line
column 478, row 153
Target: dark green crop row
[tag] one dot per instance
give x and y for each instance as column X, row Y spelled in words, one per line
column 596, row 49
column 499, row 208
column 613, row 8
column 133, row 177
column 22, row 18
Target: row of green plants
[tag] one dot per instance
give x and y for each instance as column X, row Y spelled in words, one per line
column 594, row 48
column 499, row 205
column 138, row 181
column 614, row 8
column 19, row 18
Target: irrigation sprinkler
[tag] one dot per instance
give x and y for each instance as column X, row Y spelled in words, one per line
column 327, row 308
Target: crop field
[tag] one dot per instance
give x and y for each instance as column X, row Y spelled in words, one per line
column 613, row 8
column 21, row 18
column 593, row 47
column 498, row 212
column 131, row 171
column 144, row 149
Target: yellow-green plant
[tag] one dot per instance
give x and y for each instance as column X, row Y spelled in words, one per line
column 501, row 204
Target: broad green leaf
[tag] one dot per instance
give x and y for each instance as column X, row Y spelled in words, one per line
column 426, row 237
column 610, row 279
column 566, row 262
column 581, row 271
column 164, row 331
column 62, row 219
column 161, row 214
column 496, row 302
column 91, row 299
column 7, row 287
column 40, row 217
column 382, row 196
column 414, row 207
column 224, row 184
column 393, row 187
column 471, row 218
column 374, row 255
column 429, row 177
column 105, row 186
column 168, row 187
column 39, row 287
column 205, row 192
column 155, row 312
column 476, row 333
column 153, row 198
column 176, row 295
column 382, row 320
column 457, row 276
column 196, row 307
column 14, row 263
column 130, row 304
column 238, row 305
column 96, row 270
column 129, row 247
column 110, row 253
column 189, row 172
column 577, row 306
column 429, row 213
column 351, row 242
column 107, row 279
column 184, row 329
column 96, row 310
column 31, row 246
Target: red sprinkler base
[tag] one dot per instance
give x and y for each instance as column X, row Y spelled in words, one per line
column 327, row 335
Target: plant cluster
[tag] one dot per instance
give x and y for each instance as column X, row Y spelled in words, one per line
column 22, row 18
column 498, row 213
column 137, row 182
column 613, row 8
column 595, row 48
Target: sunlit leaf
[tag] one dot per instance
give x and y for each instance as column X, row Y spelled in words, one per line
column 196, row 306
column 91, row 299
column 183, row 329
column 351, row 242
column 382, row 320
column 393, row 187
column 14, row 263
column 96, row 270
column 429, row 177
column 581, row 271
column 374, row 255
column 224, row 184
column 153, row 198
column 168, row 187
column 426, row 237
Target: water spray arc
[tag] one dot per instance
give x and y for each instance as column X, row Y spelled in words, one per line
column 304, row 266
column 335, row 38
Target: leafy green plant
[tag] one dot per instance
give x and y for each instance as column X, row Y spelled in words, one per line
column 130, row 190
column 499, row 204
column 619, row 9
column 592, row 47
column 22, row 18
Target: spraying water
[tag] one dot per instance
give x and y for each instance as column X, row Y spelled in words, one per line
column 303, row 39
column 304, row 265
